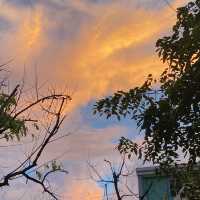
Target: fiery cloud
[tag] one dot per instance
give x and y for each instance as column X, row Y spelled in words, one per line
column 84, row 191
column 107, row 47
column 32, row 30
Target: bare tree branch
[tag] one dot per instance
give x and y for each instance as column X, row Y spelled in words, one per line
column 116, row 181
column 31, row 162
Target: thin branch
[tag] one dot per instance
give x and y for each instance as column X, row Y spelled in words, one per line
column 22, row 169
column 42, row 184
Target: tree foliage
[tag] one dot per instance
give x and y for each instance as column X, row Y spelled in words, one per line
column 167, row 110
column 185, row 184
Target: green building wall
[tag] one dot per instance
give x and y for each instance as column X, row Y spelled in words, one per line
column 152, row 186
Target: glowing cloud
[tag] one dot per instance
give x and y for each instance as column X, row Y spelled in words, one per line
column 83, row 191
column 111, row 49
column 32, row 31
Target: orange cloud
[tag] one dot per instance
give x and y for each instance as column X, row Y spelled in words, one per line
column 83, row 191
column 32, row 30
column 94, row 61
column 30, row 37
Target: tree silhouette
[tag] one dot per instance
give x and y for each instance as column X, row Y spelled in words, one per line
column 166, row 109
column 39, row 119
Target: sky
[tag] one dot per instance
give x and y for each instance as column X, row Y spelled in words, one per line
column 90, row 48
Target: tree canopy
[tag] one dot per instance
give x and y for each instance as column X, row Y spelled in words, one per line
column 166, row 109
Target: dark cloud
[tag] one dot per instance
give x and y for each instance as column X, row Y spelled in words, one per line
column 66, row 25
column 22, row 3
column 5, row 24
column 99, row 1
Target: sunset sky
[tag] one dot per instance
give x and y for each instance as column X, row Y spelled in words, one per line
column 90, row 48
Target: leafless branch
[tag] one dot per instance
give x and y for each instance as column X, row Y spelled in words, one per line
column 117, row 176
column 31, row 162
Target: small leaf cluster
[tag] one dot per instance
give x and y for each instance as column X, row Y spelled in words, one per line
column 49, row 168
column 128, row 147
column 10, row 126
